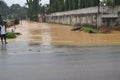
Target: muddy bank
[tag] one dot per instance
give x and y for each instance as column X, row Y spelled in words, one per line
column 55, row 34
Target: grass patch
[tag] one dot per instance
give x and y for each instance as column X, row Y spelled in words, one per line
column 90, row 29
column 11, row 35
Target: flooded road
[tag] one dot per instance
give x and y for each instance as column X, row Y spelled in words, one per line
column 55, row 34
column 53, row 52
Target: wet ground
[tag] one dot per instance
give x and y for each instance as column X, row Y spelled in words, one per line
column 52, row 52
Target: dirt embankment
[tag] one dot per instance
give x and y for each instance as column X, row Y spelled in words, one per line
column 110, row 29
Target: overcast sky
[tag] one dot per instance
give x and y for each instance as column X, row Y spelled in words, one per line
column 22, row 2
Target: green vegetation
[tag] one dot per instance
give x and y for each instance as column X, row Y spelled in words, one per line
column 66, row 5
column 33, row 9
column 90, row 29
column 87, row 28
column 11, row 35
column 30, row 11
column 4, row 9
column 15, row 11
column 111, row 2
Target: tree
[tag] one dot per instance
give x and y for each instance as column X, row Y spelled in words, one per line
column 117, row 2
column 52, row 6
column 82, row 3
column 23, row 13
column 4, row 9
column 15, row 10
column 95, row 2
column 50, row 10
column 112, row 2
column 60, row 5
column 67, row 5
column 33, row 9
column 72, row 4
column 76, row 4
column 55, row 5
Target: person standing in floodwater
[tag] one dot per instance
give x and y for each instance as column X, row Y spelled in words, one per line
column 3, row 32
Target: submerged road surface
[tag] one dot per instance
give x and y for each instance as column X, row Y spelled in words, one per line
column 42, row 54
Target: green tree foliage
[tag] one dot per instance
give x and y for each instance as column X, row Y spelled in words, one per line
column 44, row 9
column 17, row 12
column 111, row 2
column 67, row 5
column 12, row 12
column 33, row 9
column 4, row 9
column 23, row 13
column 76, row 2
column 50, row 10
column 117, row 2
column 55, row 5
column 72, row 4
column 82, row 3
column 95, row 2
column 60, row 5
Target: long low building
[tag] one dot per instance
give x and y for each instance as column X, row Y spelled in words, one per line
column 97, row 16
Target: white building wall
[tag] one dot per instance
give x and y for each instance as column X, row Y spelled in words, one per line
column 82, row 16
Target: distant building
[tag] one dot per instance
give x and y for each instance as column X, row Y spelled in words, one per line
column 97, row 16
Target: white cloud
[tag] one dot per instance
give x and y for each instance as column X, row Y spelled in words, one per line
column 44, row 1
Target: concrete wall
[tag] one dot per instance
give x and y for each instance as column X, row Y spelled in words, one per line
column 73, row 19
column 82, row 16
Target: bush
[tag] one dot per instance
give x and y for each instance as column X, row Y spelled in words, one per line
column 11, row 35
column 90, row 29
column 86, row 27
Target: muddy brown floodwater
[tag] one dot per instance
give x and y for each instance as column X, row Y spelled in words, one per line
column 56, row 34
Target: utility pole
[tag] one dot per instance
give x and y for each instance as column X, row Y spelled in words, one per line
column 99, row 19
column 99, row 6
